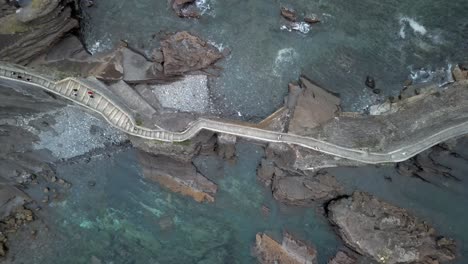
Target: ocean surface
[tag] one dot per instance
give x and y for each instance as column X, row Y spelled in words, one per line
column 124, row 219
column 384, row 39
column 112, row 214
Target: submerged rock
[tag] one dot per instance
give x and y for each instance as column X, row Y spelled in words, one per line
column 290, row 251
column 387, row 233
column 178, row 177
column 184, row 52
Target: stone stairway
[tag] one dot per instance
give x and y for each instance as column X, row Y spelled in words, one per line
column 83, row 94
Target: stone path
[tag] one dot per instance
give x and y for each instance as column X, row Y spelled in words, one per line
column 81, row 93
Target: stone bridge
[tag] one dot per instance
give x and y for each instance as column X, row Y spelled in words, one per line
column 78, row 92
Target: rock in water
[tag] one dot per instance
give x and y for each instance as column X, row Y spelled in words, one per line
column 288, row 14
column 184, row 53
column 290, row 251
column 177, row 176
column 370, row 82
column 313, row 19
column 387, row 233
column 303, row 190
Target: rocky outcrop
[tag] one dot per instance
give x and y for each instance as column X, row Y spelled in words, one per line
column 177, row 176
column 33, row 29
column 314, row 107
column 342, row 257
column 226, row 146
column 184, row 52
column 387, row 233
column 183, row 151
column 290, row 251
column 303, row 190
column 426, row 166
column 292, row 185
column 460, row 73
column 185, row 8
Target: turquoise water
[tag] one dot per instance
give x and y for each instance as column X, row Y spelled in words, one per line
column 356, row 38
column 124, row 219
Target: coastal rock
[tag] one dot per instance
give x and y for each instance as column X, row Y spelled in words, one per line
column 178, row 177
column 184, row 52
column 459, row 73
column 10, row 199
column 387, row 233
column 426, row 167
column 313, row 19
column 342, row 258
column 226, row 146
column 111, row 69
column 132, row 99
column 32, row 30
column 288, row 14
column 183, row 151
column 314, row 107
column 303, row 190
column 290, row 251
column 185, row 8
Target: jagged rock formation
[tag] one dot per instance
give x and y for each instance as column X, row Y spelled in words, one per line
column 290, row 251
column 184, row 52
column 387, row 233
column 304, row 189
column 31, row 30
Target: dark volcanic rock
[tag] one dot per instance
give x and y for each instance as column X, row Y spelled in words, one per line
column 185, row 53
column 34, row 29
column 387, row 233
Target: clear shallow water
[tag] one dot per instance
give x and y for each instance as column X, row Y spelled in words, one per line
column 356, row 38
column 124, row 219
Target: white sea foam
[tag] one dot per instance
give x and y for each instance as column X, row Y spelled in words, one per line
column 204, row 6
column 441, row 76
column 302, row 27
column 219, row 46
column 415, row 26
column 284, row 58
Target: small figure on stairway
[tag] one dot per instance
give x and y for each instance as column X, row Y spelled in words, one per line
column 91, row 94
column 75, row 92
